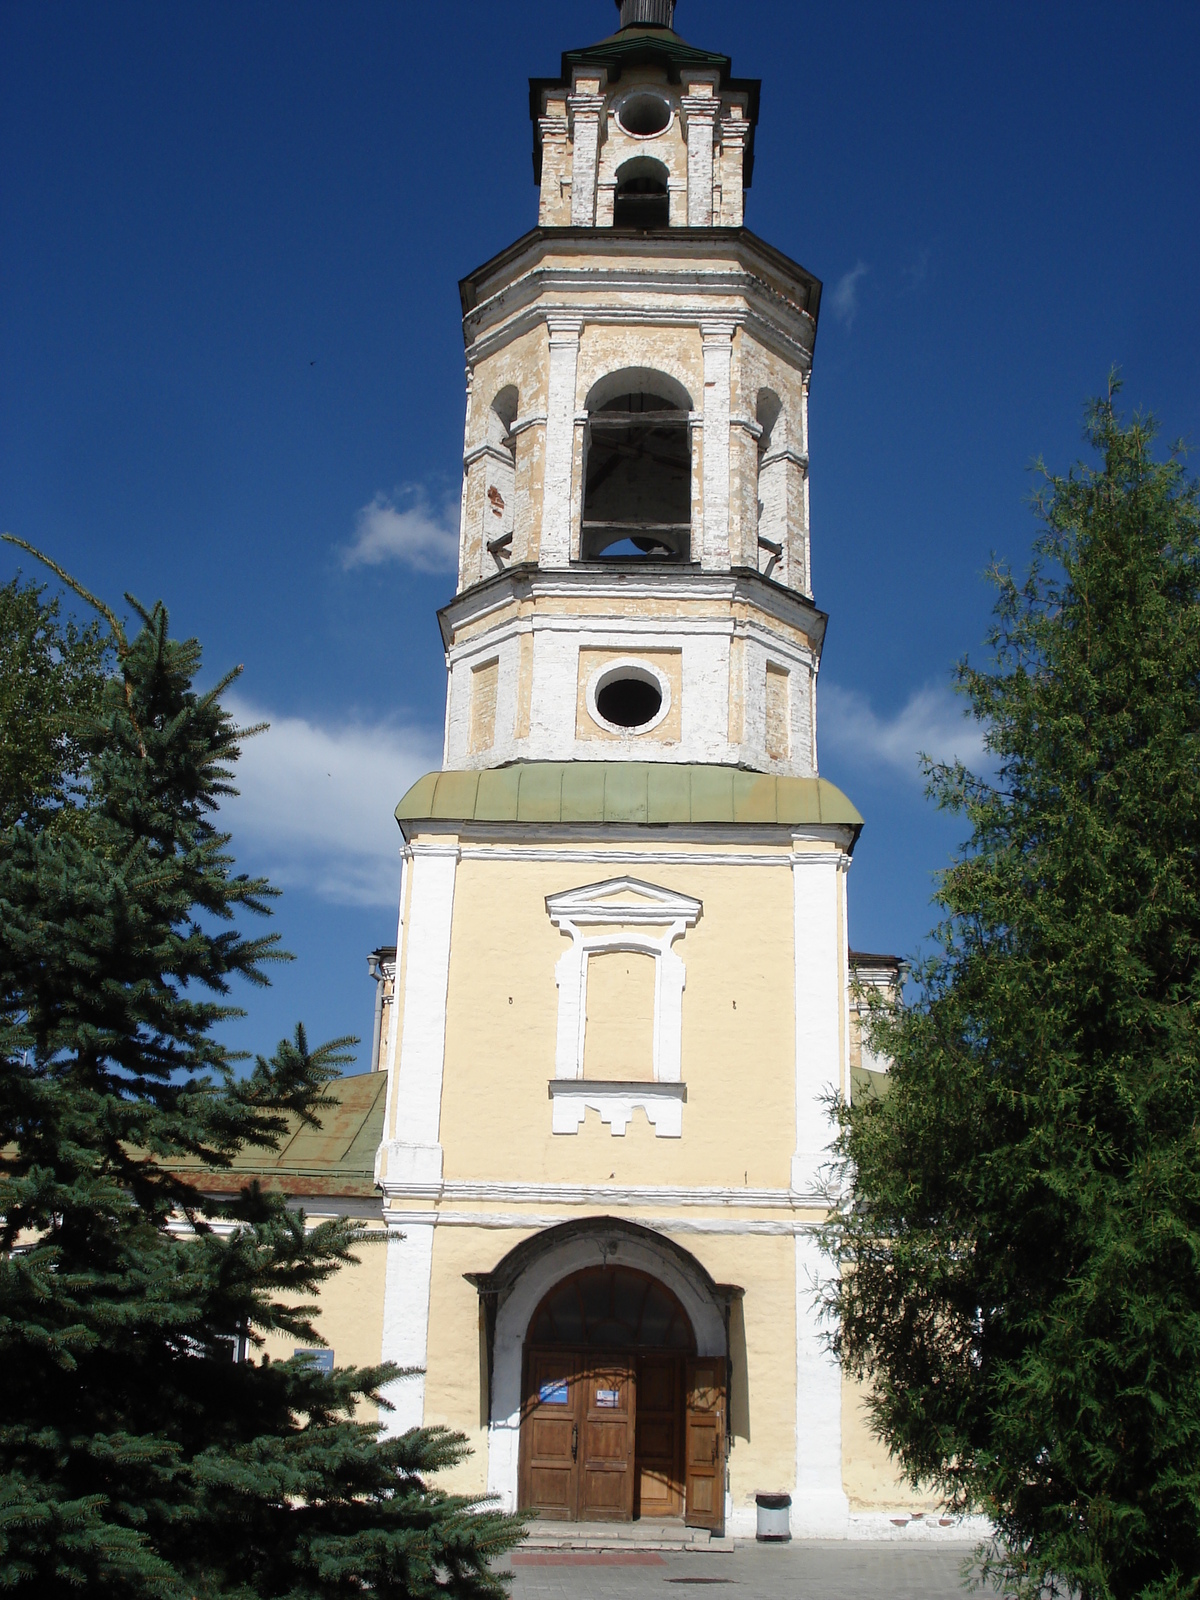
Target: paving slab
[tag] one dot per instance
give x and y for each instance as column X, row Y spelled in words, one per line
column 801, row 1570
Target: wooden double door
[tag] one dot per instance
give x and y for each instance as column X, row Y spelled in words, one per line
column 607, row 1437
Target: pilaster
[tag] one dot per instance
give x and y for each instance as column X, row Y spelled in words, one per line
column 554, row 199
column 700, row 107
column 820, row 1509
column 407, row 1279
column 467, row 557
column 718, row 363
column 586, row 108
column 412, row 1153
column 820, row 980
column 734, row 132
column 560, row 440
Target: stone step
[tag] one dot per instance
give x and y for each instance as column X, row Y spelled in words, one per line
column 545, row 1535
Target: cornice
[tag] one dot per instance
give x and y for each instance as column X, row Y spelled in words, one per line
column 798, row 293
column 527, row 582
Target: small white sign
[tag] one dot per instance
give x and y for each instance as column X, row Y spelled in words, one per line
column 608, row 1397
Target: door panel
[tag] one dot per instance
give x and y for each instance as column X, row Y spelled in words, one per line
column 704, row 1445
column 606, row 1444
column 550, row 1435
column 659, row 1487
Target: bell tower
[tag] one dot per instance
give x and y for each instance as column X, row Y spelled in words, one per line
column 622, row 984
column 635, row 572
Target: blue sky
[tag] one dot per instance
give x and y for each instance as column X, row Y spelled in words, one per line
column 232, row 234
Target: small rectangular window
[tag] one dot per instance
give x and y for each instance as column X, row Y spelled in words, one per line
column 484, row 682
column 778, row 713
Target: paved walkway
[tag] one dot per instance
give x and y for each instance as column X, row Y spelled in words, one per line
column 798, row 1571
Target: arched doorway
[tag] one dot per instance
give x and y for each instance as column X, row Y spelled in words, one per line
column 610, row 1362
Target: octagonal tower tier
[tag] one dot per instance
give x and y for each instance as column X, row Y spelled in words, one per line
column 634, row 571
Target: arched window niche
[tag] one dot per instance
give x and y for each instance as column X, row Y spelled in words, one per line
column 500, row 484
column 772, row 485
column 642, row 200
column 637, row 502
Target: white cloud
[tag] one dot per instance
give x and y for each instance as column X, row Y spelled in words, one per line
column 316, row 803
column 844, row 299
column 931, row 722
column 412, row 533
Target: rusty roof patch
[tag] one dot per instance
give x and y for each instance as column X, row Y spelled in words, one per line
column 335, row 1158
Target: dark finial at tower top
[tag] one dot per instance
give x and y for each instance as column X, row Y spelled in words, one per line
column 647, row 13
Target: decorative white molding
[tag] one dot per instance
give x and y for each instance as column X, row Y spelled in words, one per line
column 406, row 1320
column 718, row 367
column 628, row 667
column 487, row 451
column 820, row 1509
column 604, row 1195
column 643, row 91
column 660, row 858
column 616, row 1103
column 535, row 420
column 521, row 834
column 560, row 439
column 778, row 324
column 584, row 111
column 408, row 1166
column 502, row 1221
column 817, row 898
column 820, row 858
column 627, row 905
column 700, row 118
column 639, row 904
column 415, row 1074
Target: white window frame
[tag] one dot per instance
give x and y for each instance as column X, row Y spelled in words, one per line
column 647, row 919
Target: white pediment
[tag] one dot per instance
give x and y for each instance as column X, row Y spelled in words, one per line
column 625, row 902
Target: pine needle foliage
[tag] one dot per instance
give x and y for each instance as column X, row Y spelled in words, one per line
column 1019, row 1239
column 137, row 1458
column 52, row 676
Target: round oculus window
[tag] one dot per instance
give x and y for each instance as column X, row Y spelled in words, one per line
column 644, row 115
column 629, row 702
column 629, row 697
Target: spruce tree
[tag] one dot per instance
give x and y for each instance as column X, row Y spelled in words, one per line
column 136, row 1457
column 51, row 675
column 1019, row 1234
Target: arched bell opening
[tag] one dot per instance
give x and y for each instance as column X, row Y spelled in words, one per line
column 637, row 502
column 642, row 200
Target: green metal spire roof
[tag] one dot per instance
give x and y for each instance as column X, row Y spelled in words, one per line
column 637, row 792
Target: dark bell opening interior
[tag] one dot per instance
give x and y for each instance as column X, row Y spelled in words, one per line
column 629, row 702
column 645, row 115
column 642, row 203
column 638, row 492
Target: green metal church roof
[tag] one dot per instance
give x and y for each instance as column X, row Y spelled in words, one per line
column 623, row 792
column 337, row 1157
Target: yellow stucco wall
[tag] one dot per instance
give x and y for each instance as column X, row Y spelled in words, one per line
column 350, row 1314
column 763, row 1388
column 869, row 1475
column 738, row 1056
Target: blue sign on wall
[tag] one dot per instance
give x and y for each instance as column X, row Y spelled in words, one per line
column 553, row 1393
column 321, row 1359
